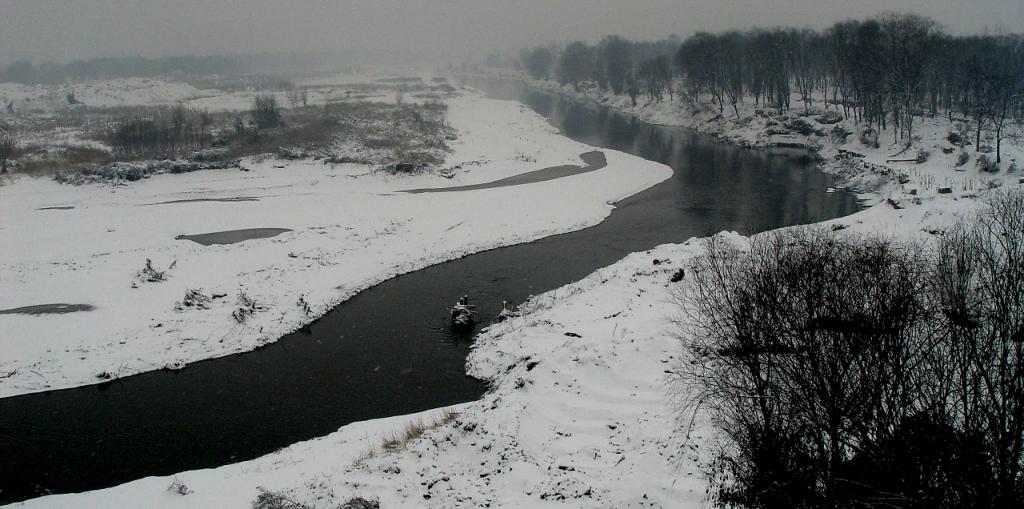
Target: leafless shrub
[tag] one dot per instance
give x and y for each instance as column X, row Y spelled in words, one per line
column 848, row 371
column 6, row 150
column 148, row 274
column 360, row 503
column 265, row 112
column 979, row 285
column 304, row 305
column 179, row 487
column 267, row 499
column 987, row 164
column 247, row 307
column 805, row 350
column 159, row 130
column 194, row 299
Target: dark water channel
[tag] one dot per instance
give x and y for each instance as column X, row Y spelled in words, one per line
column 389, row 350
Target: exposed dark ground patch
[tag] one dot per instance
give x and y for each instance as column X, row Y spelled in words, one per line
column 594, row 160
column 233, row 236
column 48, row 309
column 194, row 200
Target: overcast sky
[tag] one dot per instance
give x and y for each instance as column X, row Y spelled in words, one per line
column 62, row 30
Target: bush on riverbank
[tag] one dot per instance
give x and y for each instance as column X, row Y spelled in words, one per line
column 847, row 371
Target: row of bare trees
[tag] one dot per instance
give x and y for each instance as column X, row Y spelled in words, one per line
column 862, row 372
column 161, row 130
column 167, row 130
column 23, row 71
column 881, row 71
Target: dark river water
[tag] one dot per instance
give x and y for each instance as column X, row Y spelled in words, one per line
column 389, row 350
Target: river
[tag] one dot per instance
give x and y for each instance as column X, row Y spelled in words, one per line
column 389, row 350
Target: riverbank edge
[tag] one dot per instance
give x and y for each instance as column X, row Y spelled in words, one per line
column 48, row 373
column 578, row 414
column 874, row 174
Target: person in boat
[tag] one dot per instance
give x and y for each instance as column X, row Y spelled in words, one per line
column 462, row 313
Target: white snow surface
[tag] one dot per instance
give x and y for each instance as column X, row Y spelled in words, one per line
column 571, row 421
column 99, row 93
column 351, row 229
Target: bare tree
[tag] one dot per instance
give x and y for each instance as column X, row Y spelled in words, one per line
column 908, row 41
column 539, row 61
column 618, row 63
column 809, row 351
column 1006, row 74
column 576, row 64
column 265, row 112
column 979, row 278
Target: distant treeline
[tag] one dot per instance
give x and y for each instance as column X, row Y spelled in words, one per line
column 885, row 69
column 48, row 72
column 26, row 72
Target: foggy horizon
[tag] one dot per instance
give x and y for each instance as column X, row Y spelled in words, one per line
column 448, row 31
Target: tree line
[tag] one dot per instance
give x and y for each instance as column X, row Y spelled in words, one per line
column 24, row 71
column 881, row 71
column 48, row 72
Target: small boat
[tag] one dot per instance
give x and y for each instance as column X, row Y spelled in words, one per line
column 463, row 315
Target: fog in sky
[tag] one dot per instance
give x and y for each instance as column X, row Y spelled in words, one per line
column 438, row 30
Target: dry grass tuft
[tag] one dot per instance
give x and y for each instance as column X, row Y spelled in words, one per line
column 398, row 440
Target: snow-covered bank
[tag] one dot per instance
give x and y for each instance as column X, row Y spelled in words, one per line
column 580, row 414
column 350, row 229
column 577, row 417
column 889, row 170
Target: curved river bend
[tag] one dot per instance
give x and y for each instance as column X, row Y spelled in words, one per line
column 388, row 350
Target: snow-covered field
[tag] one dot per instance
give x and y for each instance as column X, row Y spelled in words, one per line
column 365, row 84
column 104, row 93
column 350, row 229
column 576, row 419
column 580, row 413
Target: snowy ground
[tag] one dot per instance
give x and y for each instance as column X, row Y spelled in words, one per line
column 580, row 414
column 578, row 420
column 104, row 93
column 350, row 230
column 366, row 84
